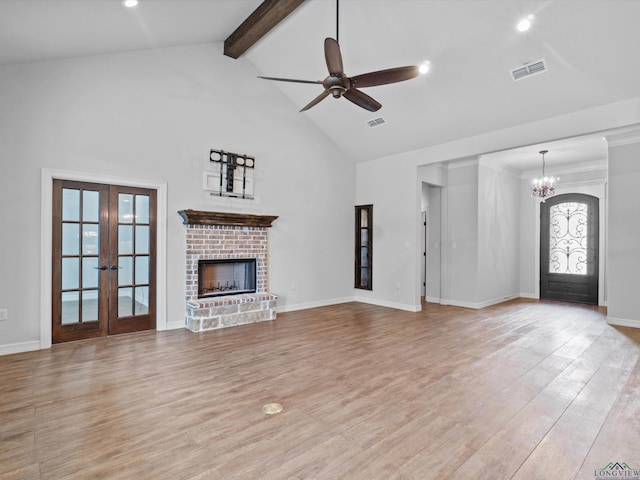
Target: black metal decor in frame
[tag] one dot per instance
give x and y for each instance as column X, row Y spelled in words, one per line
column 568, row 238
column 234, row 173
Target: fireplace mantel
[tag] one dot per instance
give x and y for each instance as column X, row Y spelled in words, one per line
column 200, row 217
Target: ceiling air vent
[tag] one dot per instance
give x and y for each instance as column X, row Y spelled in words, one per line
column 376, row 122
column 528, row 70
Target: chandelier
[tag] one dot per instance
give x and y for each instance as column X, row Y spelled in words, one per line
column 543, row 187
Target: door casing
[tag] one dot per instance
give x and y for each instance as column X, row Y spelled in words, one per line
column 46, row 227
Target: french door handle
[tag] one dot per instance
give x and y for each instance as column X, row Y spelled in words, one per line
column 101, row 267
column 114, row 267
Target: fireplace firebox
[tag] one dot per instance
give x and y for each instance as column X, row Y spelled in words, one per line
column 226, row 277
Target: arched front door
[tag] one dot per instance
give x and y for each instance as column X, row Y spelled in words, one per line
column 569, row 248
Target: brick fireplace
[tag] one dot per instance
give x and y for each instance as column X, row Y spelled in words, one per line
column 227, row 236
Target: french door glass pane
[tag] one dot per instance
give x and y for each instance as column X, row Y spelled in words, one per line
column 90, row 206
column 70, row 273
column 142, row 209
column 141, row 301
column 90, row 272
column 125, row 239
column 90, row 239
column 70, row 205
column 125, row 208
column 142, row 270
column 89, row 305
column 125, row 272
column 125, row 302
column 69, row 307
column 142, row 239
column 70, row 239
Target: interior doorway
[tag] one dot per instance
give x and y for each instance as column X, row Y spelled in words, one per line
column 423, row 270
column 103, row 260
column 569, row 248
column 430, row 252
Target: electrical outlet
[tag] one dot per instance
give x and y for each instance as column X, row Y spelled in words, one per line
column 4, row 314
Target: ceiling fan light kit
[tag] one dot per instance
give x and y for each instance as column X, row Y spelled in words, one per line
column 338, row 84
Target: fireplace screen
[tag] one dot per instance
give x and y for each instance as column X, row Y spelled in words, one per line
column 226, row 277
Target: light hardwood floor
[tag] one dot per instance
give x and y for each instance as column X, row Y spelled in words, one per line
column 522, row 390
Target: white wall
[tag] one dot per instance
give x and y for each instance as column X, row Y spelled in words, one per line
column 396, row 197
column 529, row 225
column 461, row 245
column 623, row 254
column 498, row 234
column 154, row 115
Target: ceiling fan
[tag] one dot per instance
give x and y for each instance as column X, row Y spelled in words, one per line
column 339, row 85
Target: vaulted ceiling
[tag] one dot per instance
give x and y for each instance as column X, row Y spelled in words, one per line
column 590, row 48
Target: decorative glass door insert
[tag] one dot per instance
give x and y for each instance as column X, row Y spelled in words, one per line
column 568, row 239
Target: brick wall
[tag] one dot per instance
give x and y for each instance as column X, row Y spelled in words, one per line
column 215, row 242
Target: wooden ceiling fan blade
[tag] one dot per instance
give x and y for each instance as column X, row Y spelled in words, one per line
column 383, row 77
column 293, row 80
column 362, row 100
column 315, row 101
column 333, row 57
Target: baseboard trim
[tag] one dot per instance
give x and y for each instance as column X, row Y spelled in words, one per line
column 478, row 306
column 175, row 325
column 532, row 296
column 623, row 322
column 384, row 303
column 432, row 299
column 305, row 306
column 337, row 301
column 19, row 347
column 496, row 301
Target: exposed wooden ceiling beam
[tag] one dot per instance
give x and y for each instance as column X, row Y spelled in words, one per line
column 258, row 24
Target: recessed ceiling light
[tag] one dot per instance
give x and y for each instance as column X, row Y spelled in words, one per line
column 130, row 3
column 424, row 67
column 525, row 24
